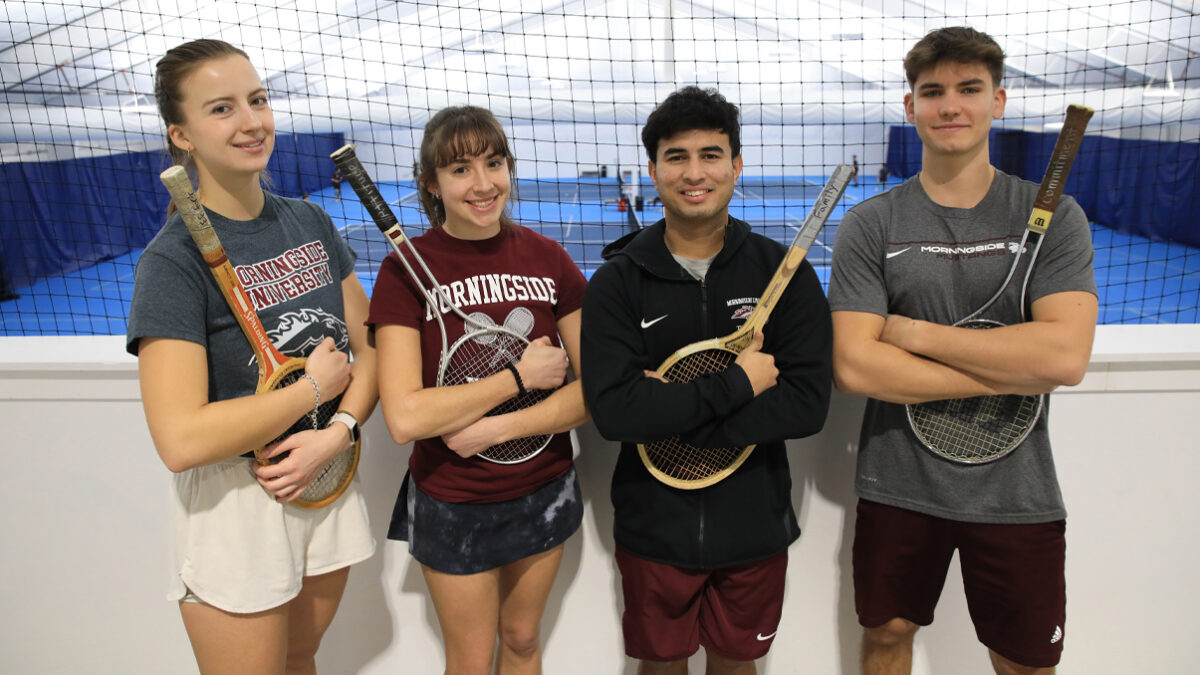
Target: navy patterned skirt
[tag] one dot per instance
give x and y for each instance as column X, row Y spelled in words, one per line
column 457, row 538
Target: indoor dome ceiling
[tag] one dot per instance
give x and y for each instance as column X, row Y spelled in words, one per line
column 86, row 69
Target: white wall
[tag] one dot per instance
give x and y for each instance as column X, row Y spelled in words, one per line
column 83, row 514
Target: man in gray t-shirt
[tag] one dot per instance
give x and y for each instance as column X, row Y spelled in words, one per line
column 907, row 264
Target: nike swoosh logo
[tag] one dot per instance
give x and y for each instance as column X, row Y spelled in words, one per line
column 893, row 254
column 647, row 324
column 764, row 638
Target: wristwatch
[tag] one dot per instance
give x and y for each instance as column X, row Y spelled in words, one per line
column 347, row 419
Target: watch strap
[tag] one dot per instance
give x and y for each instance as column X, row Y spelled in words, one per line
column 349, row 420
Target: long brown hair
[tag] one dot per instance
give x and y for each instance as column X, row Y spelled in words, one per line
column 169, row 73
column 454, row 133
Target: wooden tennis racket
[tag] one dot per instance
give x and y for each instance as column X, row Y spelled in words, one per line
column 680, row 464
column 275, row 370
column 484, row 347
column 983, row 429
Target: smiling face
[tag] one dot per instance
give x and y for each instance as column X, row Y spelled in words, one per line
column 695, row 172
column 474, row 191
column 228, row 126
column 952, row 106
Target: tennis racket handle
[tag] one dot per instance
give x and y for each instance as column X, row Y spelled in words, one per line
column 1061, row 160
column 364, row 187
column 821, row 209
column 179, row 186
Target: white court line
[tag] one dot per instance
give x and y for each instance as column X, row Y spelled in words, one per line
column 571, row 219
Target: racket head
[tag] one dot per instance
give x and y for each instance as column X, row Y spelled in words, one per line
column 975, row 430
column 522, row 449
column 679, row 464
column 483, row 319
column 335, row 477
column 520, row 321
column 482, row 351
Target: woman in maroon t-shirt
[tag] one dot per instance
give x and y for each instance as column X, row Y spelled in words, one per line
column 478, row 527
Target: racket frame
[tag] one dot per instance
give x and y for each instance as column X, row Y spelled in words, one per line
column 385, row 219
column 273, row 367
column 737, row 341
column 1045, row 203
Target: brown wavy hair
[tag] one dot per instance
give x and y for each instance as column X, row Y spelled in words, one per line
column 454, row 133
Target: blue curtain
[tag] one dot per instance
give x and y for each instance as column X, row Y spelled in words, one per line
column 1143, row 187
column 57, row 217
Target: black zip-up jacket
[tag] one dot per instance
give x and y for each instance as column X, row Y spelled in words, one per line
column 639, row 308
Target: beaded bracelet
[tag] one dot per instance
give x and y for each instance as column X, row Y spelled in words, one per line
column 520, row 385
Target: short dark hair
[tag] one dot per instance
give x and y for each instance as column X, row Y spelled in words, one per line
column 955, row 43
column 692, row 108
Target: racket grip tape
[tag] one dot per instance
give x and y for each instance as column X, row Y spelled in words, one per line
column 179, row 186
column 352, row 169
column 1070, row 138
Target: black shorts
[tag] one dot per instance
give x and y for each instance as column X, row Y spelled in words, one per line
column 459, row 538
column 1012, row 574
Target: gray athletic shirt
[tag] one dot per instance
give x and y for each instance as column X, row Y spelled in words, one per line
column 290, row 260
column 899, row 252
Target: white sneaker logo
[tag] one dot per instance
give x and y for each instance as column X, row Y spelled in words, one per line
column 1057, row 635
column 764, row 638
column 647, row 324
column 893, row 254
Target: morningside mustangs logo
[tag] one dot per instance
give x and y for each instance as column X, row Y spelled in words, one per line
column 742, row 307
column 296, row 333
column 287, row 276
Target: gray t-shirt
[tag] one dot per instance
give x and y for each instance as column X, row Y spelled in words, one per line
column 899, row 252
column 291, row 261
column 697, row 268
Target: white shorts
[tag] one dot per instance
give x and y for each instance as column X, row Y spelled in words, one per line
column 239, row 550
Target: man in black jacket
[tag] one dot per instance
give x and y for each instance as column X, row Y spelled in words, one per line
column 705, row 566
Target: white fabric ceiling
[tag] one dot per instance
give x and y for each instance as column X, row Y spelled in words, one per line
column 84, row 70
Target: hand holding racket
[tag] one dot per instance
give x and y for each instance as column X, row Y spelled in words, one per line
column 484, row 348
column 275, row 371
column 286, row 474
column 680, row 464
column 542, row 365
column 758, row 365
column 985, row 428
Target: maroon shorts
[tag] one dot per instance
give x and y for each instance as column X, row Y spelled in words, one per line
column 670, row 611
column 1012, row 575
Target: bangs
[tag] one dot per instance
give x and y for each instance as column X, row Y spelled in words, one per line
column 469, row 136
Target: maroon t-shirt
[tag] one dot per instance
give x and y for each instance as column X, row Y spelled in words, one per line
column 516, row 268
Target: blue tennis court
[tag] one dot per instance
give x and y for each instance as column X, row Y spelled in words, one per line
column 1140, row 281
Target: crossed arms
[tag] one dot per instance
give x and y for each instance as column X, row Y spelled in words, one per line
column 903, row 360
